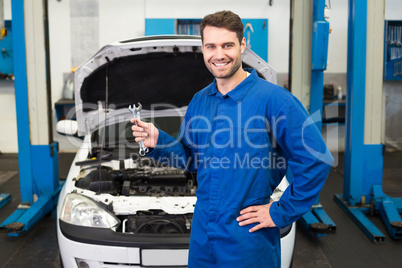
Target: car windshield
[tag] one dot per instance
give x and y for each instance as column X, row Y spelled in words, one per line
column 121, row 133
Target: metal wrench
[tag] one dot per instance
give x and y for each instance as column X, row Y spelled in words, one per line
column 136, row 111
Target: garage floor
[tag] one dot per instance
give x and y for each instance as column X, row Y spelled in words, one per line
column 347, row 247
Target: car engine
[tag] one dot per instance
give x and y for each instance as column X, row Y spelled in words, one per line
column 145, row 177
column 141, row 177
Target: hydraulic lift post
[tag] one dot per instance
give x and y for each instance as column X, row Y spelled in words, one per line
column 309, row 58
column 363, row 171
column 37, row 155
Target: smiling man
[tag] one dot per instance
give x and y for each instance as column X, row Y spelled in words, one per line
column 222, row 55
column 231, row 129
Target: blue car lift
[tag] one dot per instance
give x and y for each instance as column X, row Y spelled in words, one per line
column 362, row 192
column 38, row 164
column 316, row 219
column 4, row 199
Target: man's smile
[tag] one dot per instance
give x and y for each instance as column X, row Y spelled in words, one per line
column 220, row 64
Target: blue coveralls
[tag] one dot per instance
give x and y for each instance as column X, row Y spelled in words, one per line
column 241, row 145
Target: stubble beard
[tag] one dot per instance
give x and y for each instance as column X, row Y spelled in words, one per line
column 230, row 73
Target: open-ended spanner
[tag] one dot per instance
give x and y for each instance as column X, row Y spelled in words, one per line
column 136, row 111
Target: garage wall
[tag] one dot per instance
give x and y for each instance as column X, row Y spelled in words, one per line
column 392, row 93
column 8, row 118
column 8, row 133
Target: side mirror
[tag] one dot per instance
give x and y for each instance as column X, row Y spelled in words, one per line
column 67, row 127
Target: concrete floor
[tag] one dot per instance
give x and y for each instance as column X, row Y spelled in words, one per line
column 347, row 247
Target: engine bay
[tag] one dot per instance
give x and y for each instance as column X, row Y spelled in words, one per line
column 140, row 177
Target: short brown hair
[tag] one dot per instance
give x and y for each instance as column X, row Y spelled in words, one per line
column 223, row 19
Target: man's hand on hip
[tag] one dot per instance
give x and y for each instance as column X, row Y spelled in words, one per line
column 256, row 214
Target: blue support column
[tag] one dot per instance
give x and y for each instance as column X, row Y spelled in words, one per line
column 319, row 55
column 21, row 97
column 38, row 164
column 317, row 219
column 356, row 84
column 362, row 190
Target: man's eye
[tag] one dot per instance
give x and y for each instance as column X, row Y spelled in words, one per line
column 228, row 46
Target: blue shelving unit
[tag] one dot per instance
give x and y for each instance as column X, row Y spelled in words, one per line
column 6, row 49
column 256, row 33
column 393, row 50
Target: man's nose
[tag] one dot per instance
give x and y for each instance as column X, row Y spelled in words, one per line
column 219, row 53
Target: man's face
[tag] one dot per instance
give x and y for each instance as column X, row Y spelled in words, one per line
column 222, row 51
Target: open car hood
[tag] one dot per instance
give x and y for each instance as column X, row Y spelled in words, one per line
column 157, row 71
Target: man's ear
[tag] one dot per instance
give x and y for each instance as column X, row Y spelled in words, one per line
column 243, row 45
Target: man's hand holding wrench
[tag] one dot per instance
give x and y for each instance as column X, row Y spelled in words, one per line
column 146, row 134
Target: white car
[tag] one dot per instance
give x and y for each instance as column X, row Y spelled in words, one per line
column 117, row 208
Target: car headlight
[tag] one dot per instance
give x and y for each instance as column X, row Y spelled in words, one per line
column 81, row 210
